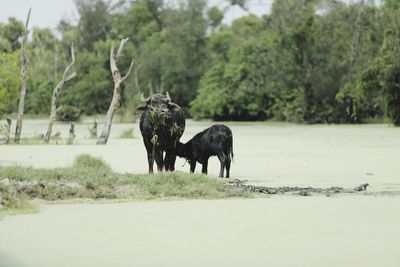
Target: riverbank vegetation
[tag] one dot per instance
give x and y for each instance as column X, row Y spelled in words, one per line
column 91, row 178
column 305, row 61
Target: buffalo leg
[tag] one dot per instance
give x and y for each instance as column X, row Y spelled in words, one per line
column 172, row 163
column 150, row 158
column 204, row 168
column 228, row 166
column 169, row 161
column 158, row 156
column 166, row 161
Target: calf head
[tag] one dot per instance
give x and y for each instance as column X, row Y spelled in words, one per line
column 180, row 150
column 184, row 150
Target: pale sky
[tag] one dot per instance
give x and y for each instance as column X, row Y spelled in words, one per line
column 47, row 13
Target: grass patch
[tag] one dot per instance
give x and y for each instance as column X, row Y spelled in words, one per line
column 127, row 134
column 86, row 161
column 92, row 178
column 34, row 140
column 37, row 140
column 13, row 203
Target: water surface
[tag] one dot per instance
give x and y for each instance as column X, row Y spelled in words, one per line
column 265, row 153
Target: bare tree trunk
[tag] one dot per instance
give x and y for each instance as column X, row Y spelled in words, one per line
column 55, row 62
column 353, row 57
column 118, row 79
column 65, row 79
column 24, row 61
column 356, row 39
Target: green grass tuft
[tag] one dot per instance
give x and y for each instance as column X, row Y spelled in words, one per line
column 89, row 162
column 92, row 178
column 183, row 185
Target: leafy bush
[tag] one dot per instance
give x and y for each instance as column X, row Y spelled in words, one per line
column 68, row 113
column 9, row 82
column 38, row 99
column 90, row 162
column 391, row 86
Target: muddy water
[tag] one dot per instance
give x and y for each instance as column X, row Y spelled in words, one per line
column 265, row 153
column 277, row 231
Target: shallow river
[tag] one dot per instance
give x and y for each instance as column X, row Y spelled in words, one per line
column 278, row 231
column 356, row 230
column 265, row 153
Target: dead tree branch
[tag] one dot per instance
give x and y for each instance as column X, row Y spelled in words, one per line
column 118, row 79
column 67, row 76
column 24, row 62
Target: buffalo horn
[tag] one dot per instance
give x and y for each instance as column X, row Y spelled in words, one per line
column 143, row 99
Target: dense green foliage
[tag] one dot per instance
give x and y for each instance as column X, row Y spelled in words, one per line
column 307, row 61
column 9, row 81
column 294, row 64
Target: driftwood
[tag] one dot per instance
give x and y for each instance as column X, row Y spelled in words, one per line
column 93, row 130
column 24, row 62
column 303, row 191
column 118, row 79
column 67, row 76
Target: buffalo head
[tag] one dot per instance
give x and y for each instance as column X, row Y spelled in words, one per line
column 158, row 106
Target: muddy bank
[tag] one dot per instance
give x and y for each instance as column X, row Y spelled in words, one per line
column 302, row 191
column 16, row 193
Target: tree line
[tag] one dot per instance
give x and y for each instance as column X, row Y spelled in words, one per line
column 309, row 61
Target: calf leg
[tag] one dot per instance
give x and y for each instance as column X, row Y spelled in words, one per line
column 192, row 166
column 222, row 158
column 228, row 166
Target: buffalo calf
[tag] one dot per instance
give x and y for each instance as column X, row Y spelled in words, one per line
column 214, row 141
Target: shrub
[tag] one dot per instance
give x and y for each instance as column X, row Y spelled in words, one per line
column 69, row 113
column 86, row 161
column 391, row 87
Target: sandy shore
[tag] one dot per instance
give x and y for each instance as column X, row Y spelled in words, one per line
column 277, row 231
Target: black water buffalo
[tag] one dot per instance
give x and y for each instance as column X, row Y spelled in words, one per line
column 162, row 124
column 214, row 141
